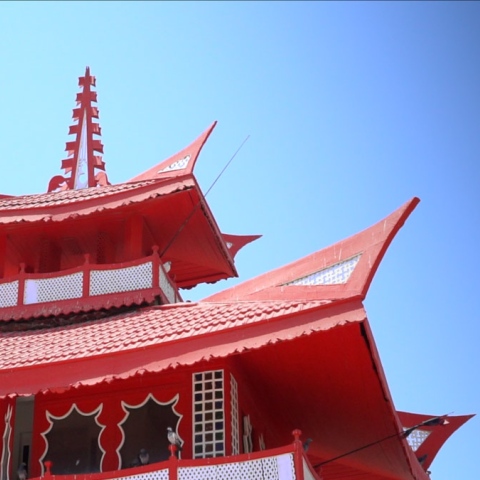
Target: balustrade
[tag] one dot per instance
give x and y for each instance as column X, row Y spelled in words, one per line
column 88, row 281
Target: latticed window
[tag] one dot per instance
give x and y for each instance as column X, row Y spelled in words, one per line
column 208, row 414
column 234, row 408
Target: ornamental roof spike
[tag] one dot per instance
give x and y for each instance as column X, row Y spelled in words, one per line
column 236, row 242
column 82, row 162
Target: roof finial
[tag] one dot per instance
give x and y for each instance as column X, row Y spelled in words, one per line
column 82, row 159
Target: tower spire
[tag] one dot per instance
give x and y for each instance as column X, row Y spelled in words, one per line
column 83, row 159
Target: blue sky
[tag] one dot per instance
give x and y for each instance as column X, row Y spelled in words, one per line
column 352, row 109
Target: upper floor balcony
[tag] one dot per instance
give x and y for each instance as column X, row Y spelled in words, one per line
column 87, row 287
column 285, row 463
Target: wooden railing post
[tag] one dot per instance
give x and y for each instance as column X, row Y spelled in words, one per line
column 172, row 463
column 298, row 454
column 48, row 465
column 155, row 267
column 86, row 277
column 21, row 285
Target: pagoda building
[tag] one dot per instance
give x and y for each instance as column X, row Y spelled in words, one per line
column 276, row 378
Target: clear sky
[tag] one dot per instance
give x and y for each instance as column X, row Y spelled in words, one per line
column 352, row 108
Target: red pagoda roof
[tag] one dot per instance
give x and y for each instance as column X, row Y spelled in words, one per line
column 321, row 336
column 170, row 201
column 299, row 331
column 140, row 329
column 343, row 270
column 334, row 275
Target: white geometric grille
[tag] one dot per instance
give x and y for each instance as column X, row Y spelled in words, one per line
column 8, row 294
column 234, row 408
column 121, row 279
column 52, row 289
column 208, row 414
column 178, row 165
column 416, row 438
column 270, row 468
column 167, row 287
column 158, row 475
column 333, row 275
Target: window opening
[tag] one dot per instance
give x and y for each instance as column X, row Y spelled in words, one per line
column 73, row 442
column 145, row 427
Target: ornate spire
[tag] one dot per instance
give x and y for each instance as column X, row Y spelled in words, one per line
column 82, row 159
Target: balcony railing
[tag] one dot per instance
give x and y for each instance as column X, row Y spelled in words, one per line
column 284, row 463
column 89, row 286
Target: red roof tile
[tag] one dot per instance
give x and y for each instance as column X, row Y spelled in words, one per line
column 58, row 206
column 65, row 197
column 136, row 330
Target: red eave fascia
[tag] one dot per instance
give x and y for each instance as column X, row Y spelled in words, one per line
column 416, row 470
column 66, row 209
column 218, row 235
column 187, row 350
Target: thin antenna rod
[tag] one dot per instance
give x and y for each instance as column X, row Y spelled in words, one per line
column 227, row 164
column 194, row 209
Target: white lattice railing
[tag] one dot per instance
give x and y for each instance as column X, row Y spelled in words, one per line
column 285, row 463
column 88, row 281
column 279, row 467
column 273, row 467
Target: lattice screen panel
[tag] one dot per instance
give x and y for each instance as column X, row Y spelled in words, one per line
column 121, row 279
column 158, row 475
column 9, row 294
column 166, row 287
column 178, row 165
column 416, row 438
column 208, row 414
column 52, row 289
column 234, row 413
column 271, row 468
column 333, row 275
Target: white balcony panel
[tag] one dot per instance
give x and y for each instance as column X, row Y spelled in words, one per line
column 307, row 474
column 158, row 475
column 167, row 287
column 121, row 279
column 43, row 290
column 270, row 468
column 8, row 294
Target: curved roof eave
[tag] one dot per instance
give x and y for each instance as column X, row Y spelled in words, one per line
column 343, row 270
column 59, row 206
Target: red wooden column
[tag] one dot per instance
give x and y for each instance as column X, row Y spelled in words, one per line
column 133, row 238
column 111, row 437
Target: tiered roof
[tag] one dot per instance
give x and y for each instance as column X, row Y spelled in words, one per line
column 300, row 331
